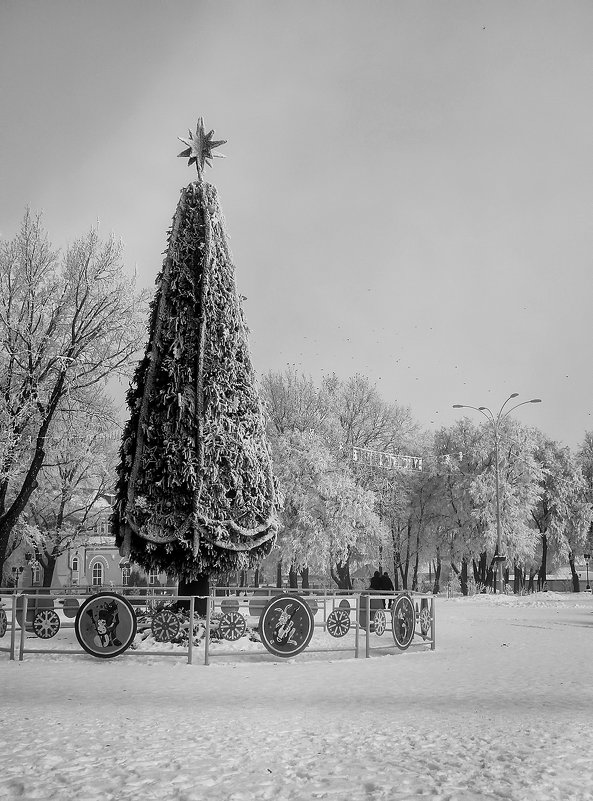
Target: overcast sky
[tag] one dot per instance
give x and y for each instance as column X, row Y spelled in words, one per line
column 408, row 186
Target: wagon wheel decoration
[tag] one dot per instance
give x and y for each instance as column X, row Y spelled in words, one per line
column 46, row 624
column 165, row 625
column 232, row 626
column 338, row 622
column 3, row 623
column 424, row 620
column 403, row 621
column 379, row 621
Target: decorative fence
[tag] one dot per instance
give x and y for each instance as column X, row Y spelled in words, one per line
column 230, row 622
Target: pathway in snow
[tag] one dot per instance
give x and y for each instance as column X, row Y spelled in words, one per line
column 501, row 710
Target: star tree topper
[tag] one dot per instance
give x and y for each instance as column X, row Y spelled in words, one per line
column 199, row 147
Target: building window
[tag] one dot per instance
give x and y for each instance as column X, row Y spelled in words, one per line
column 102, row 528
column 75, row 564
column 36, row 575
column 97, row 574
column 125, row 576
column 153, row 577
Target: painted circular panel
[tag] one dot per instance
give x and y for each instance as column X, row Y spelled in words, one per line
column 286, row 625
column 105, row 625
column 403, row 621
column 165, row 625
column 3, row 622
column 46, row 624
column 338, row 622
column 71, row 606
column 229, row 605
column 313, row 605
column 258, row 602
column 232, row 626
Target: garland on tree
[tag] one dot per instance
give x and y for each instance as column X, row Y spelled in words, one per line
column 195, row 491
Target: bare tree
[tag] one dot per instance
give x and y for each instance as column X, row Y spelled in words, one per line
column 368, row 421
column 294, row 403
column 67, row 323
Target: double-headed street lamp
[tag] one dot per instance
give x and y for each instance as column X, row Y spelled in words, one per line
column 496, row 420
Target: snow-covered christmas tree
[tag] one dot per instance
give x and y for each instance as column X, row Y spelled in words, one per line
column 195, row 494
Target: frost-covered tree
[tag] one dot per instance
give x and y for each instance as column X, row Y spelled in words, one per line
column 76, row 480
column 519, row 488
column 67, row 323
column 563, row 514
column 329, row 521
column 470, row 518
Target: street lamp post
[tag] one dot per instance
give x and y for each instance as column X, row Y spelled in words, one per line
column 586, row 557
column 495, row 421
column 16, row 574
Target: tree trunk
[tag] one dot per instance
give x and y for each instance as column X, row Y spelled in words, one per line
column 405, row 567
column 437, row 574
column 395, row 541
column 341, row 575
column 49, row 566
column 9, row 517
column 542, row 574
column 256, row 577
column 481, row 573
column 491, row 575
column 505, row 577
column 519, row 580
column 293, row 577
column 199, row 586
column 416, row 561
column 531, row 584
column 305, row 578
column 463, row 577
column 576, row 587
column 396, row 564
column 279, row 573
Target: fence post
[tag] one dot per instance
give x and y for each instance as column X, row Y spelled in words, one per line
column 367, row 646
column 190, row 642
column 13, row 628
column 357, row 627
column 207, row 640
column 23, row 627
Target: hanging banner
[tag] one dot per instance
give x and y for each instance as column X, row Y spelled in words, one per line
column 388, row 461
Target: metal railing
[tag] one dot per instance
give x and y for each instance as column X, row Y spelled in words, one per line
column 17, row 605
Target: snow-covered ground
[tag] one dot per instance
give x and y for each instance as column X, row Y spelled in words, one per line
column 502, row 709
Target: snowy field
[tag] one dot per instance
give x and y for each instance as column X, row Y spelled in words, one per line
column 501, row 710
